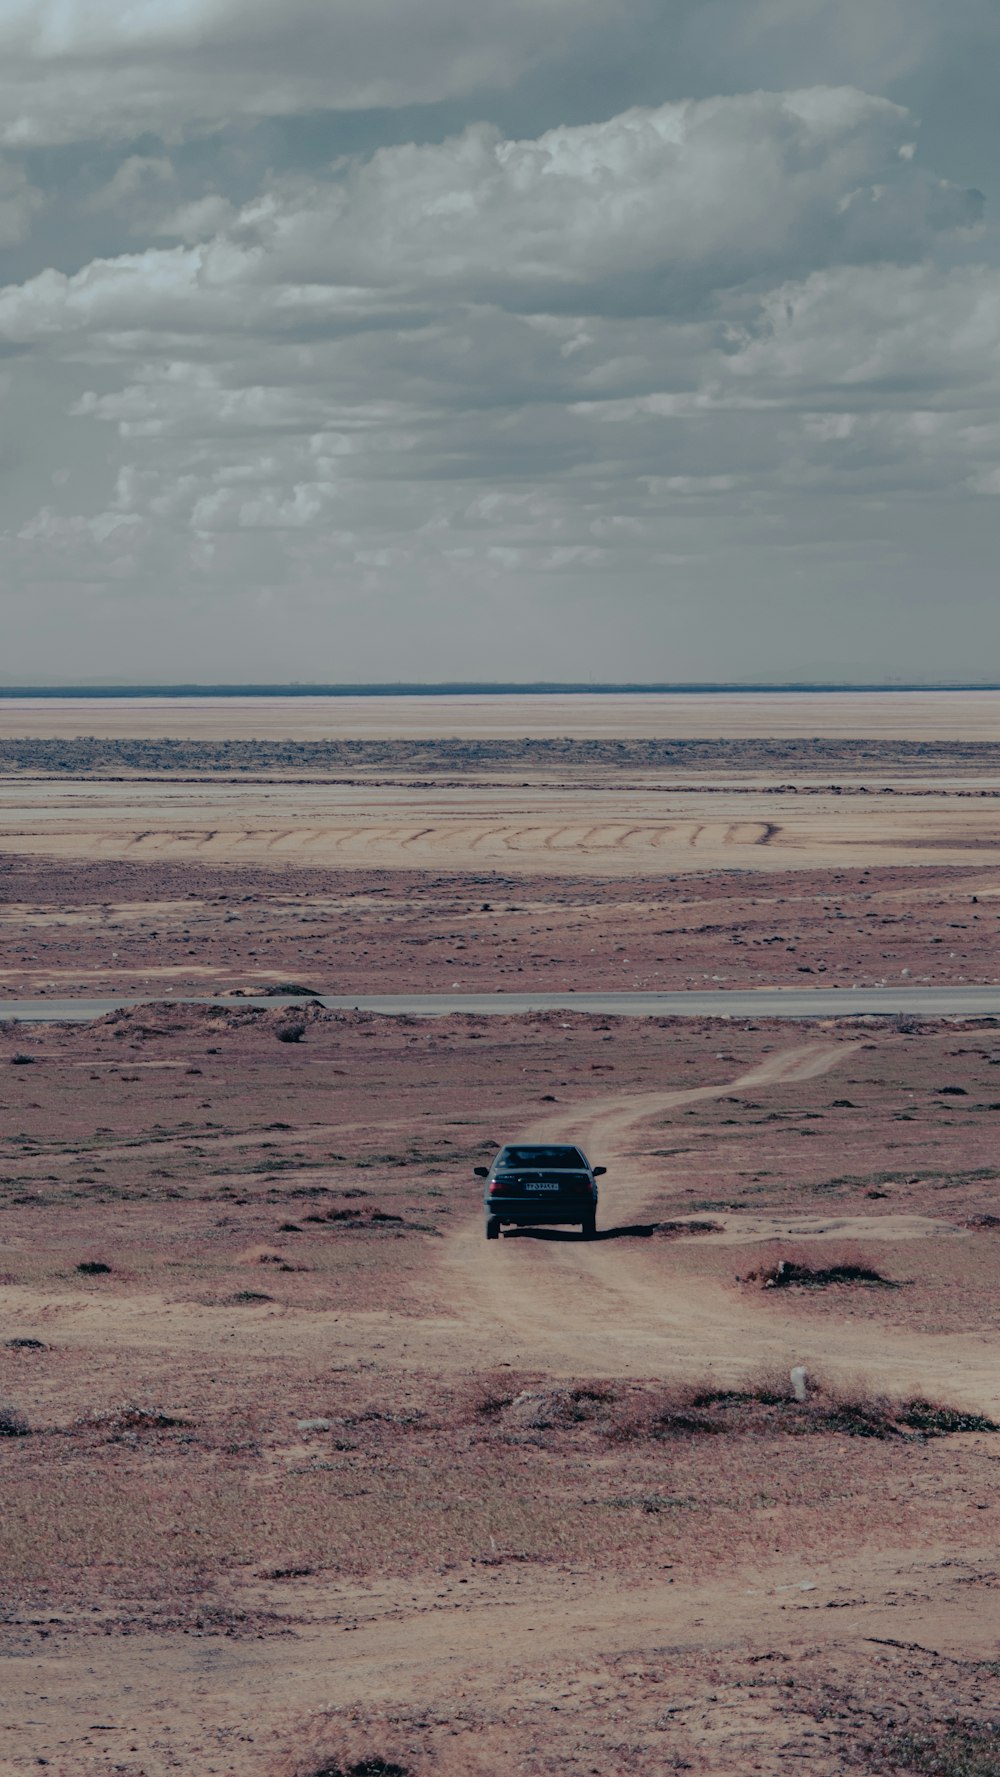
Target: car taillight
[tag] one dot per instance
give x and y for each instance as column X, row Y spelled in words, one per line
column 495, row 1185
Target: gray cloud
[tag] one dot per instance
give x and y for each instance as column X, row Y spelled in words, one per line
column 104, row 69
column 19, row 202
column 701, row 383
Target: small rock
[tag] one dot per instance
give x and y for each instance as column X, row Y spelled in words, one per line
column 313, row 1425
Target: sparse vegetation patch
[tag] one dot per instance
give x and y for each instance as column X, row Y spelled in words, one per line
column 12, row 1423
column 766, row 1407
column 956, row 1749
column 130, row 1416
column 796, row 1271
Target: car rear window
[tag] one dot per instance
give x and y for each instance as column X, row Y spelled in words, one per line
column 541, row 1156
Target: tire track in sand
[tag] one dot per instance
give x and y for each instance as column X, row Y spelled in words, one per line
column 610, row 1308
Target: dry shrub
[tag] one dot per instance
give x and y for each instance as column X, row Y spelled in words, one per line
column 856, row 1409
column 935, row 1421
column 529, row 1403
column 539, row 1409
column 366, row 1745
column 12, row 1423
column 129, row 1416
column 797, row 1267
column 675, row 1411
column 956, row 1749
column 370, row 1765
column 264, row 1256
column 678, row 1230
column 762, row 1405
column 363, row 1216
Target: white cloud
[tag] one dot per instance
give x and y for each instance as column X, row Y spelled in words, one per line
column 653, row 211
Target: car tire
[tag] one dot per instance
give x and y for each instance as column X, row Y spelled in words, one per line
column 492, row 1227
column 588, row 1228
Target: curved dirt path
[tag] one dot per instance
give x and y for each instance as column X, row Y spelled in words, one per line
column 566, row 1307
column 576, row 1308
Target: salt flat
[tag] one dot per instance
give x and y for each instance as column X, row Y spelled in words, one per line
column 599, row 832
column 918, row 715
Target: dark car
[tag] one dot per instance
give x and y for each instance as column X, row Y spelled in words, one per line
column 531, row 1183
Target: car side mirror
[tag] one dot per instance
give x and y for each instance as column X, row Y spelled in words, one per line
column 598, row 1171
column 481, row 1171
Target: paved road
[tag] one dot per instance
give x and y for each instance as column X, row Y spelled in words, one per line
column 765, row 1002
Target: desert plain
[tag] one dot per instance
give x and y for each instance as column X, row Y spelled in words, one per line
column 301, row 1477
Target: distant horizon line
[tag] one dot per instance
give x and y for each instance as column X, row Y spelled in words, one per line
column 505, row 688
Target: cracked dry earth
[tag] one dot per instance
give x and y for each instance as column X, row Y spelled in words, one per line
column 315, row 1476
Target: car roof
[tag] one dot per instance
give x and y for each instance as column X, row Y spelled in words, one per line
column 551, row 1150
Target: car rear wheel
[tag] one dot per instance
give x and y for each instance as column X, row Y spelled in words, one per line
column 492, row 1227
column 588, row 1227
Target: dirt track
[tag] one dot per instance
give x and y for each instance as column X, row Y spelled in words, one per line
column 571, row 1307
column 552, row 1303
column 463, row 1639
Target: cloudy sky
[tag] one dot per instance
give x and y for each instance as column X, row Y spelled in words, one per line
column 356, row 340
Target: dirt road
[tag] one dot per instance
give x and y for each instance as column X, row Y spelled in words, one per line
column 572, row 1307
column 548, row 1301
column 91, row 1700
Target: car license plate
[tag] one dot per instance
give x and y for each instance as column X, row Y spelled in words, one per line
column 552, row 1187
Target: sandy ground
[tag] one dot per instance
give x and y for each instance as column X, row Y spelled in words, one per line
column 458, row 1564
column 958, row 715
column 573, row 832
column 302, row 1474
column 75, row 928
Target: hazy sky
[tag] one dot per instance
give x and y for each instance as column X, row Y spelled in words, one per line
column 380, row 339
